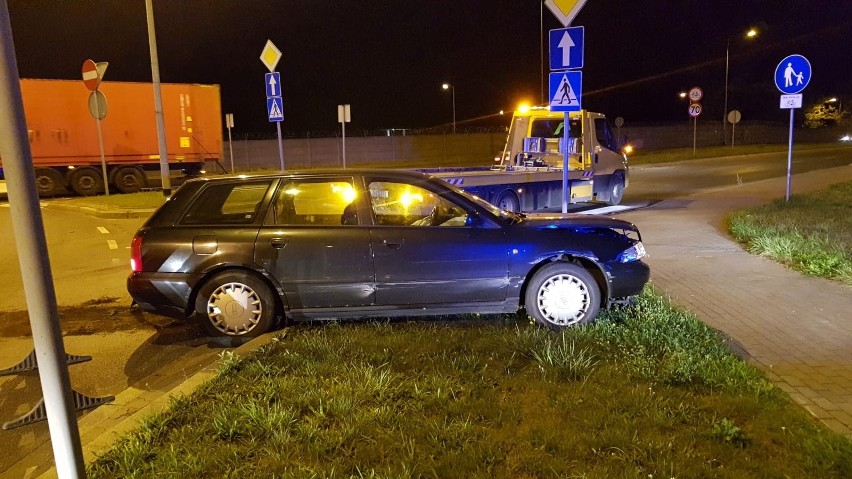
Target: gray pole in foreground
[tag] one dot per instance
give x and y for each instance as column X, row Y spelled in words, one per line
column 158, row 102
column 280, row 144
column 566, row 189
column 35, row 264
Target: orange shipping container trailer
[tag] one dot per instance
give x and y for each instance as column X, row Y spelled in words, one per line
column 64, row 142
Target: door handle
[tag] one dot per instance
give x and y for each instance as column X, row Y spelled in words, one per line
column 278, row 242
column 392, row 244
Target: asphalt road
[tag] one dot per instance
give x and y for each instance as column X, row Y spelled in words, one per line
column 89, row 259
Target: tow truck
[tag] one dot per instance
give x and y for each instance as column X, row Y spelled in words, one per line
column 527, row 176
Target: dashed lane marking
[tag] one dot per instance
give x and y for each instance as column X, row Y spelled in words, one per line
column 112, row 244
column 103, row 230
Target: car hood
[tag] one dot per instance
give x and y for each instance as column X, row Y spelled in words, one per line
column 573, row 220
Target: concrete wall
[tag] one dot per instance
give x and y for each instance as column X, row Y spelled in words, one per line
column 431, row 150
column 482, row 148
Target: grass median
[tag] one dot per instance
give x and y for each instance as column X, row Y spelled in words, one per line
column 812, row 233
column 644, row 392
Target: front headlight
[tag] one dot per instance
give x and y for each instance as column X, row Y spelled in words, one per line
column 633, row 253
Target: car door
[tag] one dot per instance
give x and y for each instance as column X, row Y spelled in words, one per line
column 313, row 244
column 426, row 254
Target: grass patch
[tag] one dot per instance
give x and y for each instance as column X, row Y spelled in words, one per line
column 643, row 157
column 644, row 392
column 812, row 233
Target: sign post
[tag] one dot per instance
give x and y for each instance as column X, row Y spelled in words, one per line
column 229, row 123
column 734, row 117
column 270, row 56
column 695, row 96
column 343, row 117
column 792, row 75
column 93, row 73
column 566, row 53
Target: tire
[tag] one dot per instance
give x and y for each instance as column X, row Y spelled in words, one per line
column 616, row 189
column 86, row 181
column 49, row 182
column 508, row 200
column 129, row 179
column 562, row 295
column 235, row 303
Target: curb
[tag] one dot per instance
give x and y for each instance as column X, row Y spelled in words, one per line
column 108, row 213
column 100, row 428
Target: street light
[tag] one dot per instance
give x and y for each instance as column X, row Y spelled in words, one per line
column 839, row 104
column 749, row 34
column 447, row 86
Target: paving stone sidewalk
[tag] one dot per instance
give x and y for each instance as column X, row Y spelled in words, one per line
column 796, row 328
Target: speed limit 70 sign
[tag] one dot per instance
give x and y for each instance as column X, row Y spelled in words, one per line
column 694, row 109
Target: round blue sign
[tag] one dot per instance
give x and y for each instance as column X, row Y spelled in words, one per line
column 793, row 74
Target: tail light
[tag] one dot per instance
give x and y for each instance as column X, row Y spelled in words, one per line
column 136, row 254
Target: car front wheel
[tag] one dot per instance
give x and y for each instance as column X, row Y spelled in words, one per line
column 561, row 295
column 236, row 303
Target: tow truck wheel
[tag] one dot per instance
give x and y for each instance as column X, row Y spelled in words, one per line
column 561, row 295
column 508, row 201
column 616, row 189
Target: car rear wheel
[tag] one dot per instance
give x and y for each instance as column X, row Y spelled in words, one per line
column 561, row 295
column 235, row 303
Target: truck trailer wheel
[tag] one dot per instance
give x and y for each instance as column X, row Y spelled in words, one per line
column 508, row 200
column 49, row 182
column 129, row 179
column 86, row 181
column 616, row 189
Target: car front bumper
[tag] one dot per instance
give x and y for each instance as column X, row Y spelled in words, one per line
column 627, row 279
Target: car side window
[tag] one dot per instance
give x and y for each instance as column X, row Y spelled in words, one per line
column 318, row 202
column 228, row 203
column 403, row 204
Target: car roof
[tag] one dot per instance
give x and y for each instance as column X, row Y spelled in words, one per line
column 319, row 171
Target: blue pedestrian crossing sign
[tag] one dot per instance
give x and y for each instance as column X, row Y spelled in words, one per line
column 793, row 74
column 566, row 91
column 566, row 48
column 274, row 108
column 273, row 84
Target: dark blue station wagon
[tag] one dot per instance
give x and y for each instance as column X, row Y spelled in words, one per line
column 242, row 252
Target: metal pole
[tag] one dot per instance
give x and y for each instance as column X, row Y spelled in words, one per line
column 566, row 154
column 454, row 109
column 541, row 43
column 343, row 128
column 694, row 132
column 231, row 148
column 725, row 108
column 101, row 146
column 733, row 133
column 790, row 156
column 158, row 102
column 35, row 264
column 280, row 144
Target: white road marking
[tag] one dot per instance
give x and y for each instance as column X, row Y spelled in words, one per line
column 103, row 230
column 607, row 210
column 112, row 244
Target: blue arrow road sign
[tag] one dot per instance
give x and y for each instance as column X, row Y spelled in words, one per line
column 274, row 108
column 566, row 48
column 793, row 74
column 566, row 91
column 273, row 84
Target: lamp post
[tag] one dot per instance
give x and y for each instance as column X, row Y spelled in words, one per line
column 452, row 88
column 749, row 34
column 839, row 104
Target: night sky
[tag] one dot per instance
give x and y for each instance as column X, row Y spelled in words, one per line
column 388, row 58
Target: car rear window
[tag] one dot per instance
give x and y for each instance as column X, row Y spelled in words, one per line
column 227, row 204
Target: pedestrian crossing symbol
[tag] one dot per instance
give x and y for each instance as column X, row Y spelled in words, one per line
column 566, row 91
column 274, row 109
